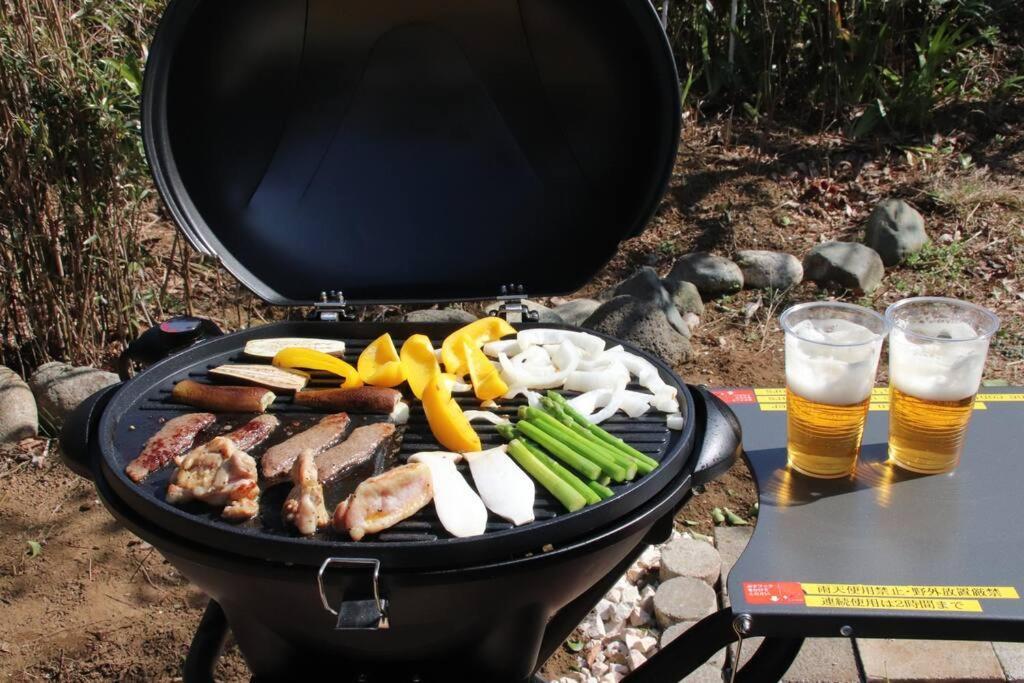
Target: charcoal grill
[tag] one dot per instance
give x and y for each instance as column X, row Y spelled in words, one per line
column 333, row 154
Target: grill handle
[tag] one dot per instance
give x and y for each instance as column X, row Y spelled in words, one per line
column 79, row 432
column 356, row 614
column 722, row 440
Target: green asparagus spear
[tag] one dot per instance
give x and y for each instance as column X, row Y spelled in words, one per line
column 641, row 466
column 566, row 495
column 598, row 432
column 565, row 475
column 561, row 451
column 602, row 491
column 557, row 430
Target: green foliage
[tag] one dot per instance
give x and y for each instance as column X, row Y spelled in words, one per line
column 73, row 267
column 875, row 64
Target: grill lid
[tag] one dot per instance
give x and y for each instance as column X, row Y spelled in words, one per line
column 406, row 150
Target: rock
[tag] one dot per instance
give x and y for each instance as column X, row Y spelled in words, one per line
column 640, row 617
column 59, row 388
column 604, row 608
column 895, row 230
column 630, row 595
column 643, row 324
column 691, row 320
column 685, row 296
column 18, row 416
column 646, row 286
column 636, row 659
column 845, row 264
column 712, row 275
column 648, row 644
column 576, row 311
column 769, row 269
column 445, row 315
column 650, row 557
column 693, row 558
column 683, row 599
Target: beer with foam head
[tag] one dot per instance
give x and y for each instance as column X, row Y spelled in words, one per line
column 937, row 351
column 832, row 354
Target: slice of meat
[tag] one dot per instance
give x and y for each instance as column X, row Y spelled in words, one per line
column 278, row 460
column 254, row 432
column 222, row 398
column 385, row 500
column 362, row 400
column 217, row 473
column 304, row 508
column 174, row 438
column 356, row 449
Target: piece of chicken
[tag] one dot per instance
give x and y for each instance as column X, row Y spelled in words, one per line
column 217, row 473
column 304, row 508
column 385, row 500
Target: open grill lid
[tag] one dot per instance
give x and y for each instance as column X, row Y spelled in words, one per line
column 410, row 151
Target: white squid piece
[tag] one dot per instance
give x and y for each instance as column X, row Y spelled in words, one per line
column 458, row 506
column 506, row 490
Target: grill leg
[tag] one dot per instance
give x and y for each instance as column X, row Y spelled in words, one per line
column 207, row 645
column 771, row 661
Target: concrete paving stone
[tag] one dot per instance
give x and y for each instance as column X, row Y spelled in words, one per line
column 909, row 661
column 676, row 630
column 1011, row 656
column 690, row 557
column 683, row 599
column 705, row 674
column 730, row 540
column 824, row 660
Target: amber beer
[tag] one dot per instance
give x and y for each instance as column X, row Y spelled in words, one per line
column 937, row 351
column 832, row 354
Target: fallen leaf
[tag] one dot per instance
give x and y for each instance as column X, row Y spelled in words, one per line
column 34, row 548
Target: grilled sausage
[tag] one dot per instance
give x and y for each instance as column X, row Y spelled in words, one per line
column 226, row 399
column 361, row 400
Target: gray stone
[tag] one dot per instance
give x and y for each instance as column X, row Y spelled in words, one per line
column 59, row 388
column 730, row 541
column 903, row 661
column 445, row 315
column 712, row 275
column 643, row 324
column 690, row 557
column 683, row 599
column 895, row 230
column 685, row 296
column 705, row 673
column 18, row 416
column 1011, row 656
column 821, row 659
column 577, row 310
column 769, row 269
column 645, row 285
column 676, row 630
column 845, row 264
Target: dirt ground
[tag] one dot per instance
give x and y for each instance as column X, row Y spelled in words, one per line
column 84, row 600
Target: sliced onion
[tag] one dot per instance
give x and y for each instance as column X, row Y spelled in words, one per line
column 489, row 403
column 587, row 343
column 613, row 405
column 586, row 403
column 612, row 378
column 487, row 415
column 674, row 422
column 400, row 414
column 635, row 403
column 509, row 347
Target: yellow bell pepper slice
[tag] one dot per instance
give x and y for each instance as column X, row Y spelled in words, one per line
column 418, row 362
column 379, row 364
column 446, row 419
column 487, row 381
column 476, row 333
column 307, row 359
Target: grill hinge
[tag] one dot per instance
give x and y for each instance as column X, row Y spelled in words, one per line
column 331, row 308
column 511, row 306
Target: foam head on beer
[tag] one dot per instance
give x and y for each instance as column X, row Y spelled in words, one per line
column 937, row 361
column 831, row 360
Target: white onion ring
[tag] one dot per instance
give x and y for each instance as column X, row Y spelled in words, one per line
column 487, row 415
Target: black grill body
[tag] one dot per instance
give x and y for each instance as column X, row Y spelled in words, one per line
column 486, row 608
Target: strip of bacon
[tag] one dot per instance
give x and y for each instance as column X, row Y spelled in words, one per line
column 174, row 438
column 278, row 460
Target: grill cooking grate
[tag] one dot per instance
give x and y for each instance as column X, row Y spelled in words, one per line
column 647, row 434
